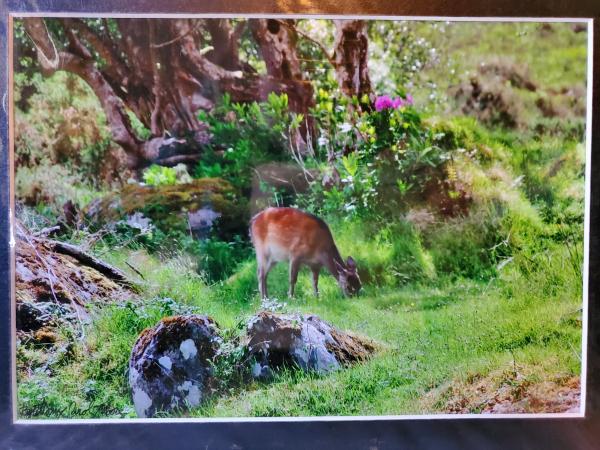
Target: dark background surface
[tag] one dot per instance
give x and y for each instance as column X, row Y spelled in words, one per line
column 377, row 434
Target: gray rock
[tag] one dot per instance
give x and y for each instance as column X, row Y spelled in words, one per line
column 202, row 221
column 170, row 364
column 32, row 316
column 304, row 341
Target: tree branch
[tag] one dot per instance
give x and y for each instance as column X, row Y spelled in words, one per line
column 113, row 107
column 311, row 39
column 351, row 57
column 192, row 30
column 48, row 55
column 202, row 64
column 114, row 65
column 91, row 261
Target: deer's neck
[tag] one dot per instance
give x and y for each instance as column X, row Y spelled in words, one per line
column 334, row 262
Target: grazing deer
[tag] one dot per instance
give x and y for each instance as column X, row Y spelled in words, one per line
column 288, row 234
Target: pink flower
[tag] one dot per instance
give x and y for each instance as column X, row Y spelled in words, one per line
column 386, row 102
column 383, row 102
column 397, row 103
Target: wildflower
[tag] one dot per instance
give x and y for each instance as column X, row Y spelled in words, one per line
column 386, row 102
column 345, row 127
column 383, row 102
column 323, row 141
column 397, row 103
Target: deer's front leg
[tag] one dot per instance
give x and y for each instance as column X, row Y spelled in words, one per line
column 294, row 267
column 315, row 280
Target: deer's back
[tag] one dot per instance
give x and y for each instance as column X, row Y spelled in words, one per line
column 283, row 233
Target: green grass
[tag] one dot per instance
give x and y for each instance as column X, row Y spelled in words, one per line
column 430, row 334
column 553, row 58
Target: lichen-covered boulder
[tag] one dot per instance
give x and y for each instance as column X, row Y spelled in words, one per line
column 206, row 202
column 170, row 364
column 304, row 341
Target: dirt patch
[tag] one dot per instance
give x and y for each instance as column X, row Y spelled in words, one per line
column 508, row 393
column 496, row 95
column 504, row 70
column 489, row 94
column 349, row 347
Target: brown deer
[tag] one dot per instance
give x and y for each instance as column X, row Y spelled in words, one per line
column 288, row 234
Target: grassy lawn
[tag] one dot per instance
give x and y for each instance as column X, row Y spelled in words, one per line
column 433, row 337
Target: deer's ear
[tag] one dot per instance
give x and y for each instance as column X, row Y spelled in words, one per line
column 350, row 264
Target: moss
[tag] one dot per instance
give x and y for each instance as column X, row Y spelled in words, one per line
column 167, row 205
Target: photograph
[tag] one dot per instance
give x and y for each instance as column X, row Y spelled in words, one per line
column 299, row 217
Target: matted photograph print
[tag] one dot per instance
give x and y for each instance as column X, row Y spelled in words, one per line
column 298, row 217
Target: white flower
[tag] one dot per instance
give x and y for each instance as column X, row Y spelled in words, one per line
column 323, row 141
column 139, row 222
column 345, row 127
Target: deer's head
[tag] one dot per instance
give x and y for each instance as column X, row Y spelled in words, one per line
column 348, row 278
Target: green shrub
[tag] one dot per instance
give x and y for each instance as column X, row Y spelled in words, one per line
column 245, row 135
column 371, row 160
column 218, row 259
column 386, row 254
column 156, row 175
column 464, row 247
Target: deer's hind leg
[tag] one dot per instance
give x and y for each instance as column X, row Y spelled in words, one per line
column 263, row 272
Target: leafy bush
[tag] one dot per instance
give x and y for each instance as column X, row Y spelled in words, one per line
column 160, row 176
column 63, row 124
column 403, row 54
column 371, row 159
column 218, row 259
column 244, row 135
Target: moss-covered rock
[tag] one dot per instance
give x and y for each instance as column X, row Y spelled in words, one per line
column 169, row 207
column 170, row 366
column 305, row 341
column 55, row 281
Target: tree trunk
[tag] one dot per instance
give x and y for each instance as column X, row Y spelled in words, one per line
column 350, row 57
column 225, row 41
column 155, row 69
column 277, row 42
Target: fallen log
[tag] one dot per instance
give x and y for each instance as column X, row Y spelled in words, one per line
column 91, row 261
column 61, row 279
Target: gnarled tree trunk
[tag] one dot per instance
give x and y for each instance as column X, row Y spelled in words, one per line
column 350, row 57
column 277, row 42
column 156, row 70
